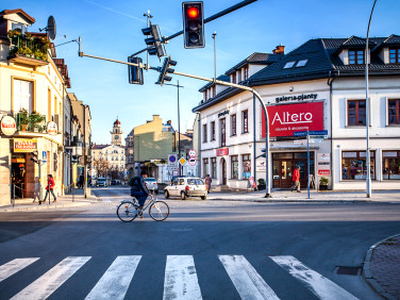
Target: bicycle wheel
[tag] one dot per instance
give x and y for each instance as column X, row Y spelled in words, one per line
column 159, row 211
column 126, row 212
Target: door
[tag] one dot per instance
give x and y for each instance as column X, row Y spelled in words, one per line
column 282, row 173
column 223, row 167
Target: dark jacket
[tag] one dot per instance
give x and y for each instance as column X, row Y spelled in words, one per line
column 138, row 185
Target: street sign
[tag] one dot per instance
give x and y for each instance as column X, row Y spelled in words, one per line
column 172, row 160
column 315, row 132
column 192, row 161
column 182, row 161
column 44, row 156
column 192, row 152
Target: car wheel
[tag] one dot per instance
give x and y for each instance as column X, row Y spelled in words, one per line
column 183, row 196
column 166, row 194
column 203, row 197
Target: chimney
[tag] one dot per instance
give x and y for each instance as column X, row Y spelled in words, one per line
column 279, row 50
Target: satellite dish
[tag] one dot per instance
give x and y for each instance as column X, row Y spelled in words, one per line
column 51, row 28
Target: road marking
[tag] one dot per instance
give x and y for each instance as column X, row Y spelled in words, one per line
column 322, row 287
column 115, row 282
column 45, row 285
column 181, row 278
column 247, row 281
column 15, row 266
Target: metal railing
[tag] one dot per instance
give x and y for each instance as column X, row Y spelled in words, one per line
column 14, row 196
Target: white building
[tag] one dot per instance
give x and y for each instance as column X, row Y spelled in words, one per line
column 319, row 86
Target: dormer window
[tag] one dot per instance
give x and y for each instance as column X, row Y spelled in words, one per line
column 356, row 57
column 394, row 56
column 23, row 28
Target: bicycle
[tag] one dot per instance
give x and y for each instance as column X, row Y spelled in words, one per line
column 128, row 210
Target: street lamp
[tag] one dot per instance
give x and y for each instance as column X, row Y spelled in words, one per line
column 368, row 103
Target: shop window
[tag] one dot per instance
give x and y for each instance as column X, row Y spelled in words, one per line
column 391, row 165
column 394, row 111
column 205, row 133
column 234, row 167
column 246, row 166
column 233, row 125
column 394, row 56
column 214, row 167
column 22, row 96
column 206, row 167
column 245, row 121
column 356, row 57
column 213, row 131
column 356, row 112
column 354, row 165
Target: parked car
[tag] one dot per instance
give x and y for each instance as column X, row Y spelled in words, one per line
column 152, row 184
column 115, row 182
column 185, row 187
column 101, row 182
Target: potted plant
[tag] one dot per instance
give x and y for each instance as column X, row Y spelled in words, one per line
column 261, row 184
column 35, row 119
column 323, row 183
column 23, row 119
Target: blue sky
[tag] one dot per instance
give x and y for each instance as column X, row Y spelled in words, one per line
column 113, row 29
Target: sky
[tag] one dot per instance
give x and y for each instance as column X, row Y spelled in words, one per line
column 112, row 29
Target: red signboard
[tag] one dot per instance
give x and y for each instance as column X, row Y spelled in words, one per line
column 222, row 151
column 324, row 172
column 284, row 120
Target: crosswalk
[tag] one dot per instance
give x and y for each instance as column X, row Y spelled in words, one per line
column 180, row 278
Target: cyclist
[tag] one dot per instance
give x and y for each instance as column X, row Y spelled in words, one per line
column 139, row 189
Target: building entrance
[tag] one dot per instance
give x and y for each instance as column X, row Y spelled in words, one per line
column 18, row 170
column 284, row 164
column 223, row 164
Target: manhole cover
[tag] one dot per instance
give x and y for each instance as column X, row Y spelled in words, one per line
column 348, row 270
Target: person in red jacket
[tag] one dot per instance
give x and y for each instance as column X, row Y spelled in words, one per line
column 296, row 179
column 49, row 189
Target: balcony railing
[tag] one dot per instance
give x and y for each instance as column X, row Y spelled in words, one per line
column 31, row 122
column 31, row 45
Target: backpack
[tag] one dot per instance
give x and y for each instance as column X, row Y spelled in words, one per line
column 135, row 184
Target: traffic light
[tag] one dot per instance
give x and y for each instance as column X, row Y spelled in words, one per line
column 263, row 153
column 154, row 41
column 193, row 24
column 34, row 157
column 135, row 73
column 166, row 69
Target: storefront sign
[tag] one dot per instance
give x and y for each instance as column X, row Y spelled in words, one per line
column 286, row 119
column 324, row 164
column 8, row 125
column 301, row 97
column 223, row 113
column 324, row 172
column 222, row 151
column 25, row 145
column 52, row 128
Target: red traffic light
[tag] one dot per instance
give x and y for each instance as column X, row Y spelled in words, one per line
column 193, row 12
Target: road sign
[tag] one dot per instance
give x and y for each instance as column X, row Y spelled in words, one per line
column 192, row 161
column 182, row 161
column 172, row 160
column 44, row 156
column 315, row 132
column 192, row 152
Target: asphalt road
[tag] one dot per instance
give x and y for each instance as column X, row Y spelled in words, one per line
column 205, row 249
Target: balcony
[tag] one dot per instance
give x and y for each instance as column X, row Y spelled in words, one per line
column 31, row 122
column 29, row 48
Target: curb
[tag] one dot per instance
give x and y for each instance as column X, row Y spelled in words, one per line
column 367, row 272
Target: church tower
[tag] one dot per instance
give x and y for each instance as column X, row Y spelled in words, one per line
column 116, row 134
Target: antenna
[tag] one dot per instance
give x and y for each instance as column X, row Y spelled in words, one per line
column 51, row 28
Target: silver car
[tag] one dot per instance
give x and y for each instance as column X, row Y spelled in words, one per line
column 185, row 187
column 152, row 184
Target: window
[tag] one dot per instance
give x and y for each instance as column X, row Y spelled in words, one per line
column 234, row 167
column 214, row 91
column 354, row 165
column 289, row 64
column 222, row 126
column 356, row 57
column 391, row 165
column 205, row 133
column 245, row 121
column 246, row 72
column 213, row 131
column 22, row 96
column 214, row 167
column 394, row 111
column 356, row 112
column 205, row 166
column 301, row 63
column 234, row 77
column 233, row 124
column 246, row 166
column 394, row 56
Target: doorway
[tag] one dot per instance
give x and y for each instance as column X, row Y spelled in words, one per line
column 223, row 168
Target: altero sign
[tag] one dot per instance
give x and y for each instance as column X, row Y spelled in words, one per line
column 286, row 119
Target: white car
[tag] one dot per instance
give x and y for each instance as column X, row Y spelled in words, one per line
column 185, row 187
column 101, row 182
column 152, row 184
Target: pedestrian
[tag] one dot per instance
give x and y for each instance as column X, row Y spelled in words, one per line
column 49, row 189
column 296, row 179
column 208, row 182
column 139, row 189
column 81, row 181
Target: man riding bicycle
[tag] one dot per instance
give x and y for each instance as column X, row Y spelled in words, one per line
column 139, row 189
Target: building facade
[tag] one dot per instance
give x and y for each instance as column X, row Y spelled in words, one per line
column 319, row 87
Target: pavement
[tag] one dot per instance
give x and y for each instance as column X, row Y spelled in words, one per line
column 381, row 265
